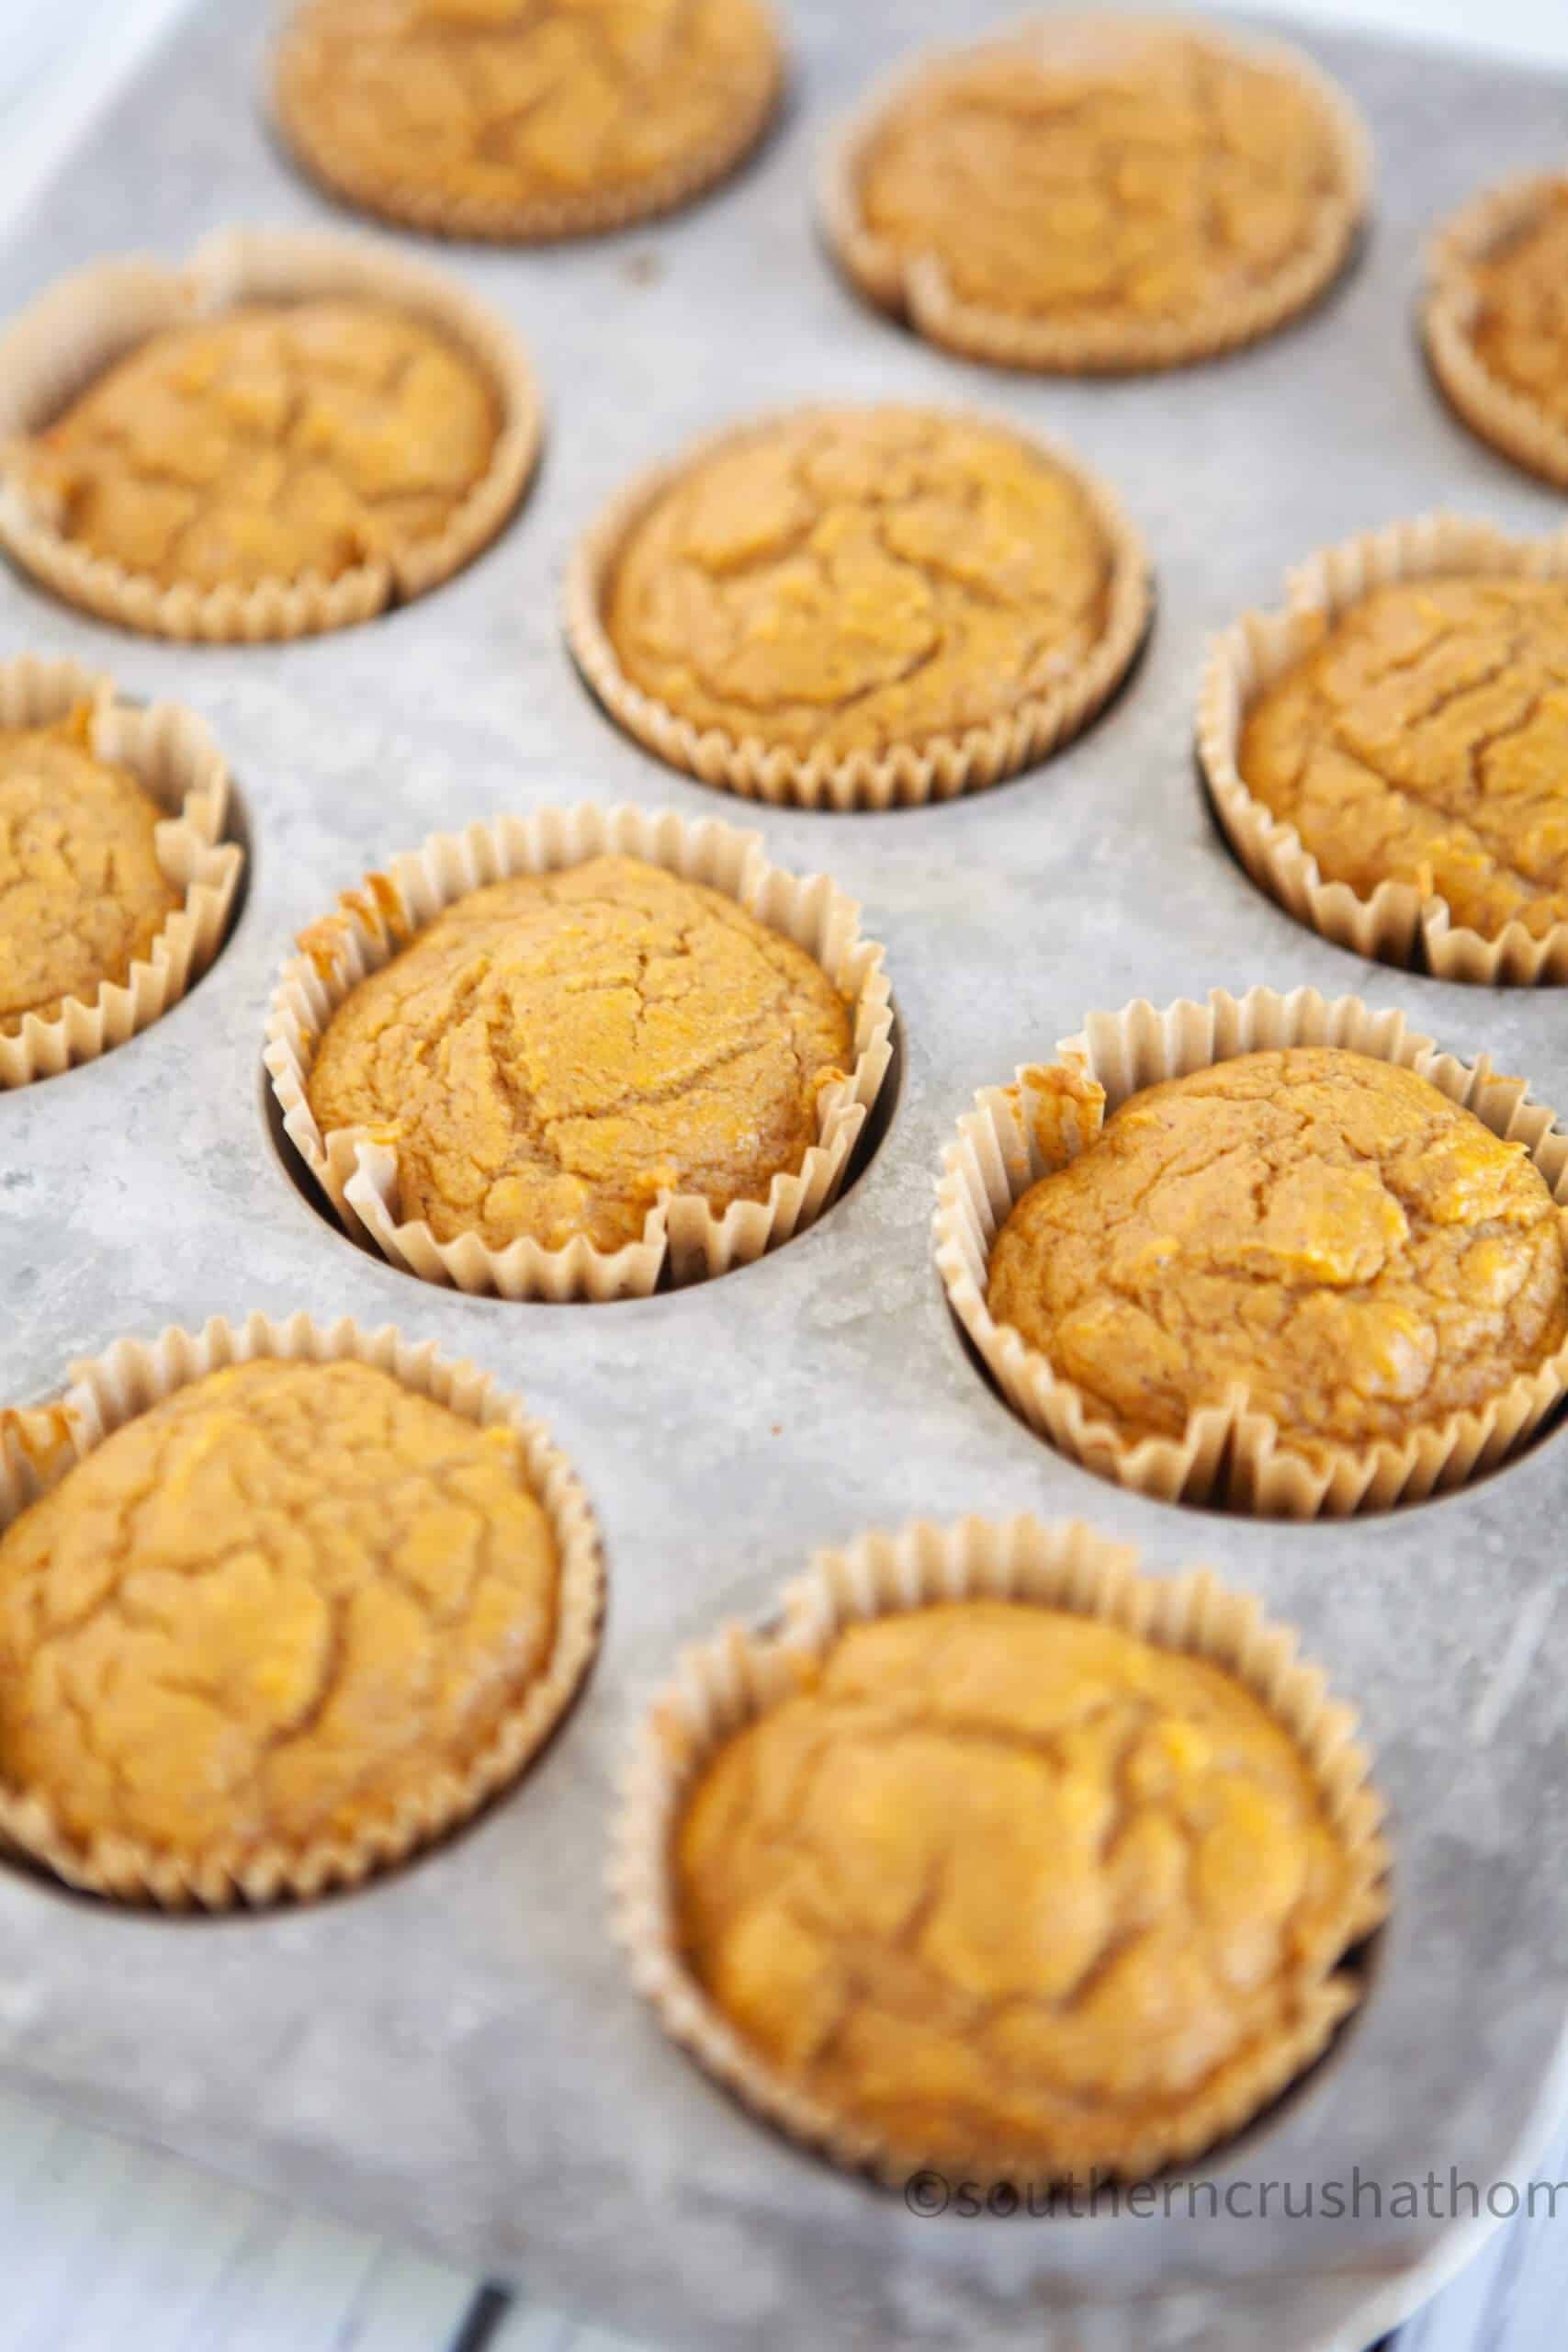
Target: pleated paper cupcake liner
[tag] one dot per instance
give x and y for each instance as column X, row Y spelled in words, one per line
column 175, row 760
column 88, row 320
column 1397, row 923
column 1229, row 1453
column 916, row 287
column 682, row 1236
column 725, row 1683
column 498, row 220
column 40, row 1446
column 1523, row 430
column 931, row 767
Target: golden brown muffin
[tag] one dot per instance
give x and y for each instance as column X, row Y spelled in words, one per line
column 853, row 581
column 1425, row 740
column 276, row 441
column 276, row 1608
column 524, row 119
column 82, row 895
column 554, row 1051
column 1322, row 1230
column 1496, row 321
column 1012, row 1889
column 1521, row 327
column 1096, row 192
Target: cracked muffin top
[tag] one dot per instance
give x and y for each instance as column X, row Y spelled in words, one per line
column 1425, row 740
column 1323, row 1230
column 1007, row 1886
column 850, row 579
column 1087, row 170
column 277, row 441
column 1519, row 327
column 271, row 1609
column 554, row 1051
column 525, row 117
column 82, row 895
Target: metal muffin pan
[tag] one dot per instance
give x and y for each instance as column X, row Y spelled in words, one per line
column 453, row 2055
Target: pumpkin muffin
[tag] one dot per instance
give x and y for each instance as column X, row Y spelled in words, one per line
column 1321, row 1231
column 289, row 1605
column 1496, row 321
column 83, row 892
column 1006, row 1887
column 554, row 1051
column 281, row 441
column 524, row 119
column 1423, row 739
column 905, row 598
column 1100, row 192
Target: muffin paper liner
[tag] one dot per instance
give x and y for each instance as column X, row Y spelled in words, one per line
column 174, row 759
column 930, row 767
column 40, row 1445
column 88, row 320
column 1231, row 1453
column 724, row 1684
column 1398, row 923
column 357, row 1168
column 537, row 219
column 916, row 287
column 1501, row 414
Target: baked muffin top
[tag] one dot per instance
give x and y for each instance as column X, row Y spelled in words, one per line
column 857, row 578
column 1092, row 170
column 497, row 105
column 82, row 893
column 1007, row 1884
column 1521, row 322
column 1425, row 740
column 1322, row 1230
column 275, row 441
column 270, row 1610
column 554, row 1051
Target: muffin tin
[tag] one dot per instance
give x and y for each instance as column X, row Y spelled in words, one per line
column 453, row 2055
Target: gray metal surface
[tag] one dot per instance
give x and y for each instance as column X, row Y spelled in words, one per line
column 451, row 2054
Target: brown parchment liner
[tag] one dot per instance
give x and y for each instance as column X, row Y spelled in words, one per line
column 1230, row 1454
column 357, row 1168
column 40, row 1445
column 931, row 767
column 725, row 1684
column 87, row 320
column 1398, row 923
column 175, row 760
column 534, row 219
column 1492, row 407
column 916, row 287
